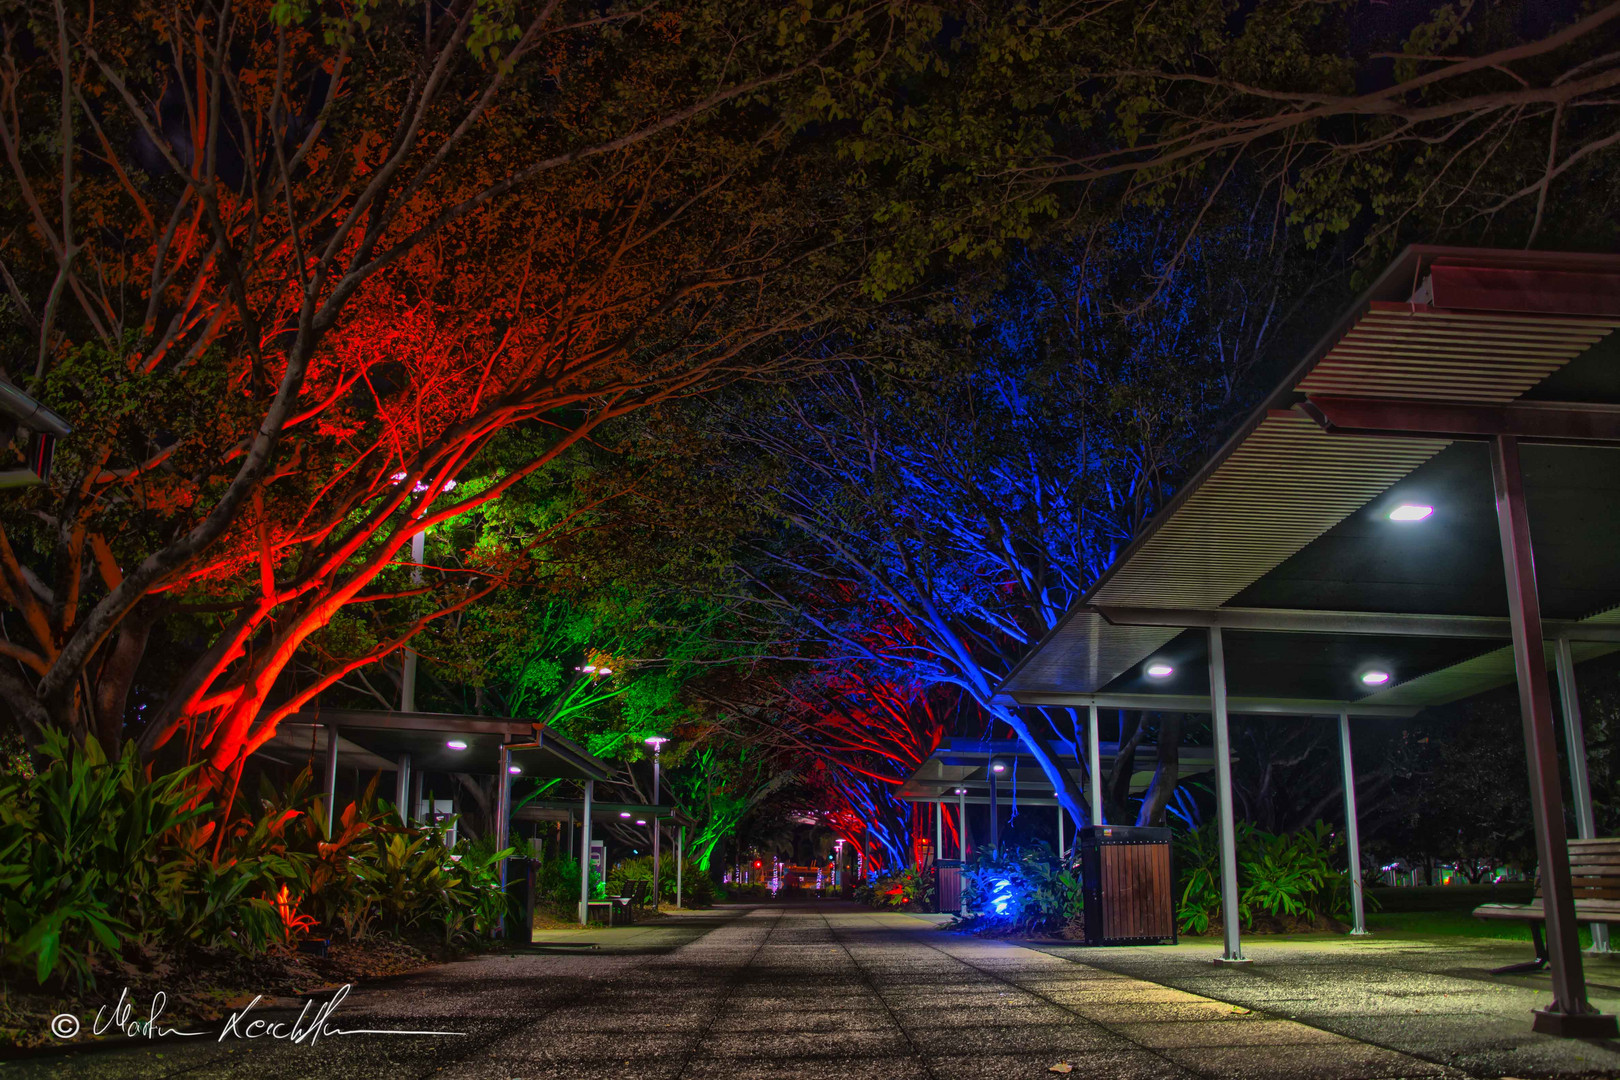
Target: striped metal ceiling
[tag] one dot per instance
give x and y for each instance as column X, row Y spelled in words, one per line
column 1282, row 481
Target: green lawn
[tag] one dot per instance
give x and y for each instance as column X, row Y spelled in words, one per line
column 1453, row 924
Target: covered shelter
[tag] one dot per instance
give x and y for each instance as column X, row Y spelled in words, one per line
column 634, row 814
column 1361, row 545
column 412, row 743
column 980, row 772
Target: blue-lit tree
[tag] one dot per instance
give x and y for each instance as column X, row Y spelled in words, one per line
column 944, row 508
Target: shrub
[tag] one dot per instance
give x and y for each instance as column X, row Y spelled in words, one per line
column 97, row 859
column 1024, row 889
column 1288, row 875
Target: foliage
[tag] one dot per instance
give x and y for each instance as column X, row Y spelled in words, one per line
column 1024, row 889
column 1287, row 875
column 697, row 890
column 909, row 889
column 98, row 860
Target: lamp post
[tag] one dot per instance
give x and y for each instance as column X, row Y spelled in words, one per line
column 995, row 770
column 657, row 743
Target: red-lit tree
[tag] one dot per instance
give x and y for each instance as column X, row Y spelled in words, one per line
column 289, row 273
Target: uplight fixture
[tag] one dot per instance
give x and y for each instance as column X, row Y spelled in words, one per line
column 456, row 744
column 1160, row 671
column 1374, row 678
column 1410, row 512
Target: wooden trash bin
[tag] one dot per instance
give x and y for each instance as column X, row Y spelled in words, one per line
column 1128, row 885
column 947, row 885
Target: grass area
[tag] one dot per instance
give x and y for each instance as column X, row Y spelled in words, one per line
column 1454, row 924
column 1450, row 897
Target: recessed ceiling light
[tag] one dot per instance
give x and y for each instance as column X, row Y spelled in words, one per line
column 640, row 822
column 624, row 813
column 1374, row 678
column 456, row 744
column 1410, row 512
column 1160, row 671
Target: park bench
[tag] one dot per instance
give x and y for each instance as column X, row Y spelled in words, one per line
column 1594, row 870
column 610, row 911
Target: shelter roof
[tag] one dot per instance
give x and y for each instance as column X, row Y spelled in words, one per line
column 964, row 763
column 1288, row 517
column 374, row 740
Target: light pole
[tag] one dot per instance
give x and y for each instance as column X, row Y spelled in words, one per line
column 996, row 769
column 657, row 743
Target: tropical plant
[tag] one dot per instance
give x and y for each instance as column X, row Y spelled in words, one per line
column 1021, row 888
column 1284, row 875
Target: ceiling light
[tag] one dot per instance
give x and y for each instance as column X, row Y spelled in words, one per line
column 640, row 822
column 604, row 671
column 1374, row 678
column 998, row 767
column 624, row 813
column 1410, row 512
column 1160, row 671
column 513, row 769
column 456, row 744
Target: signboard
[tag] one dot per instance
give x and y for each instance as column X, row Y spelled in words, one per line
column 598, row 861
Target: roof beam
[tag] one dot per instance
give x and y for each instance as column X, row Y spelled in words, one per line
column 1284, row 620
column 1249, row 706
column 1570, row 422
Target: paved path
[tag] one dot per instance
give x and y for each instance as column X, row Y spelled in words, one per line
column 803, row 993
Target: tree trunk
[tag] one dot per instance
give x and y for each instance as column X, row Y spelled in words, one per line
column 1117, row 788
column 1166, row 776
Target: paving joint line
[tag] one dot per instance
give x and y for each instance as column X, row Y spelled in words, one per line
column 1058, row 1004
column 506, row 1029
column 866, row 978
column 731, row 989
column 1461, row 1074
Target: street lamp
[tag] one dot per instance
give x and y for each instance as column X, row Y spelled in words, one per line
column 657, row 743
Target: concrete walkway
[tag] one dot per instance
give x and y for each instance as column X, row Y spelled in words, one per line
column 811, row 992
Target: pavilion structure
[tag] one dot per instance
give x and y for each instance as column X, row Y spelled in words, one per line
column 411, row 744
column 992, row 773
column 1361, row 545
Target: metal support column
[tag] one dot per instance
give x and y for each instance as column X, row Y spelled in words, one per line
column 1352, row 837
column 331, row 777
column 1094, row 766
column 939, row 830
column 657, row 824
column 585, row 854
column 402, row 786
column 961, row 824
column 1575, row 747
column 1061, row 846
column 413, row 809
column 990, row 771
column 1569, row 1014
column 1233, row 953
column 680, row 860
column 503, row 818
